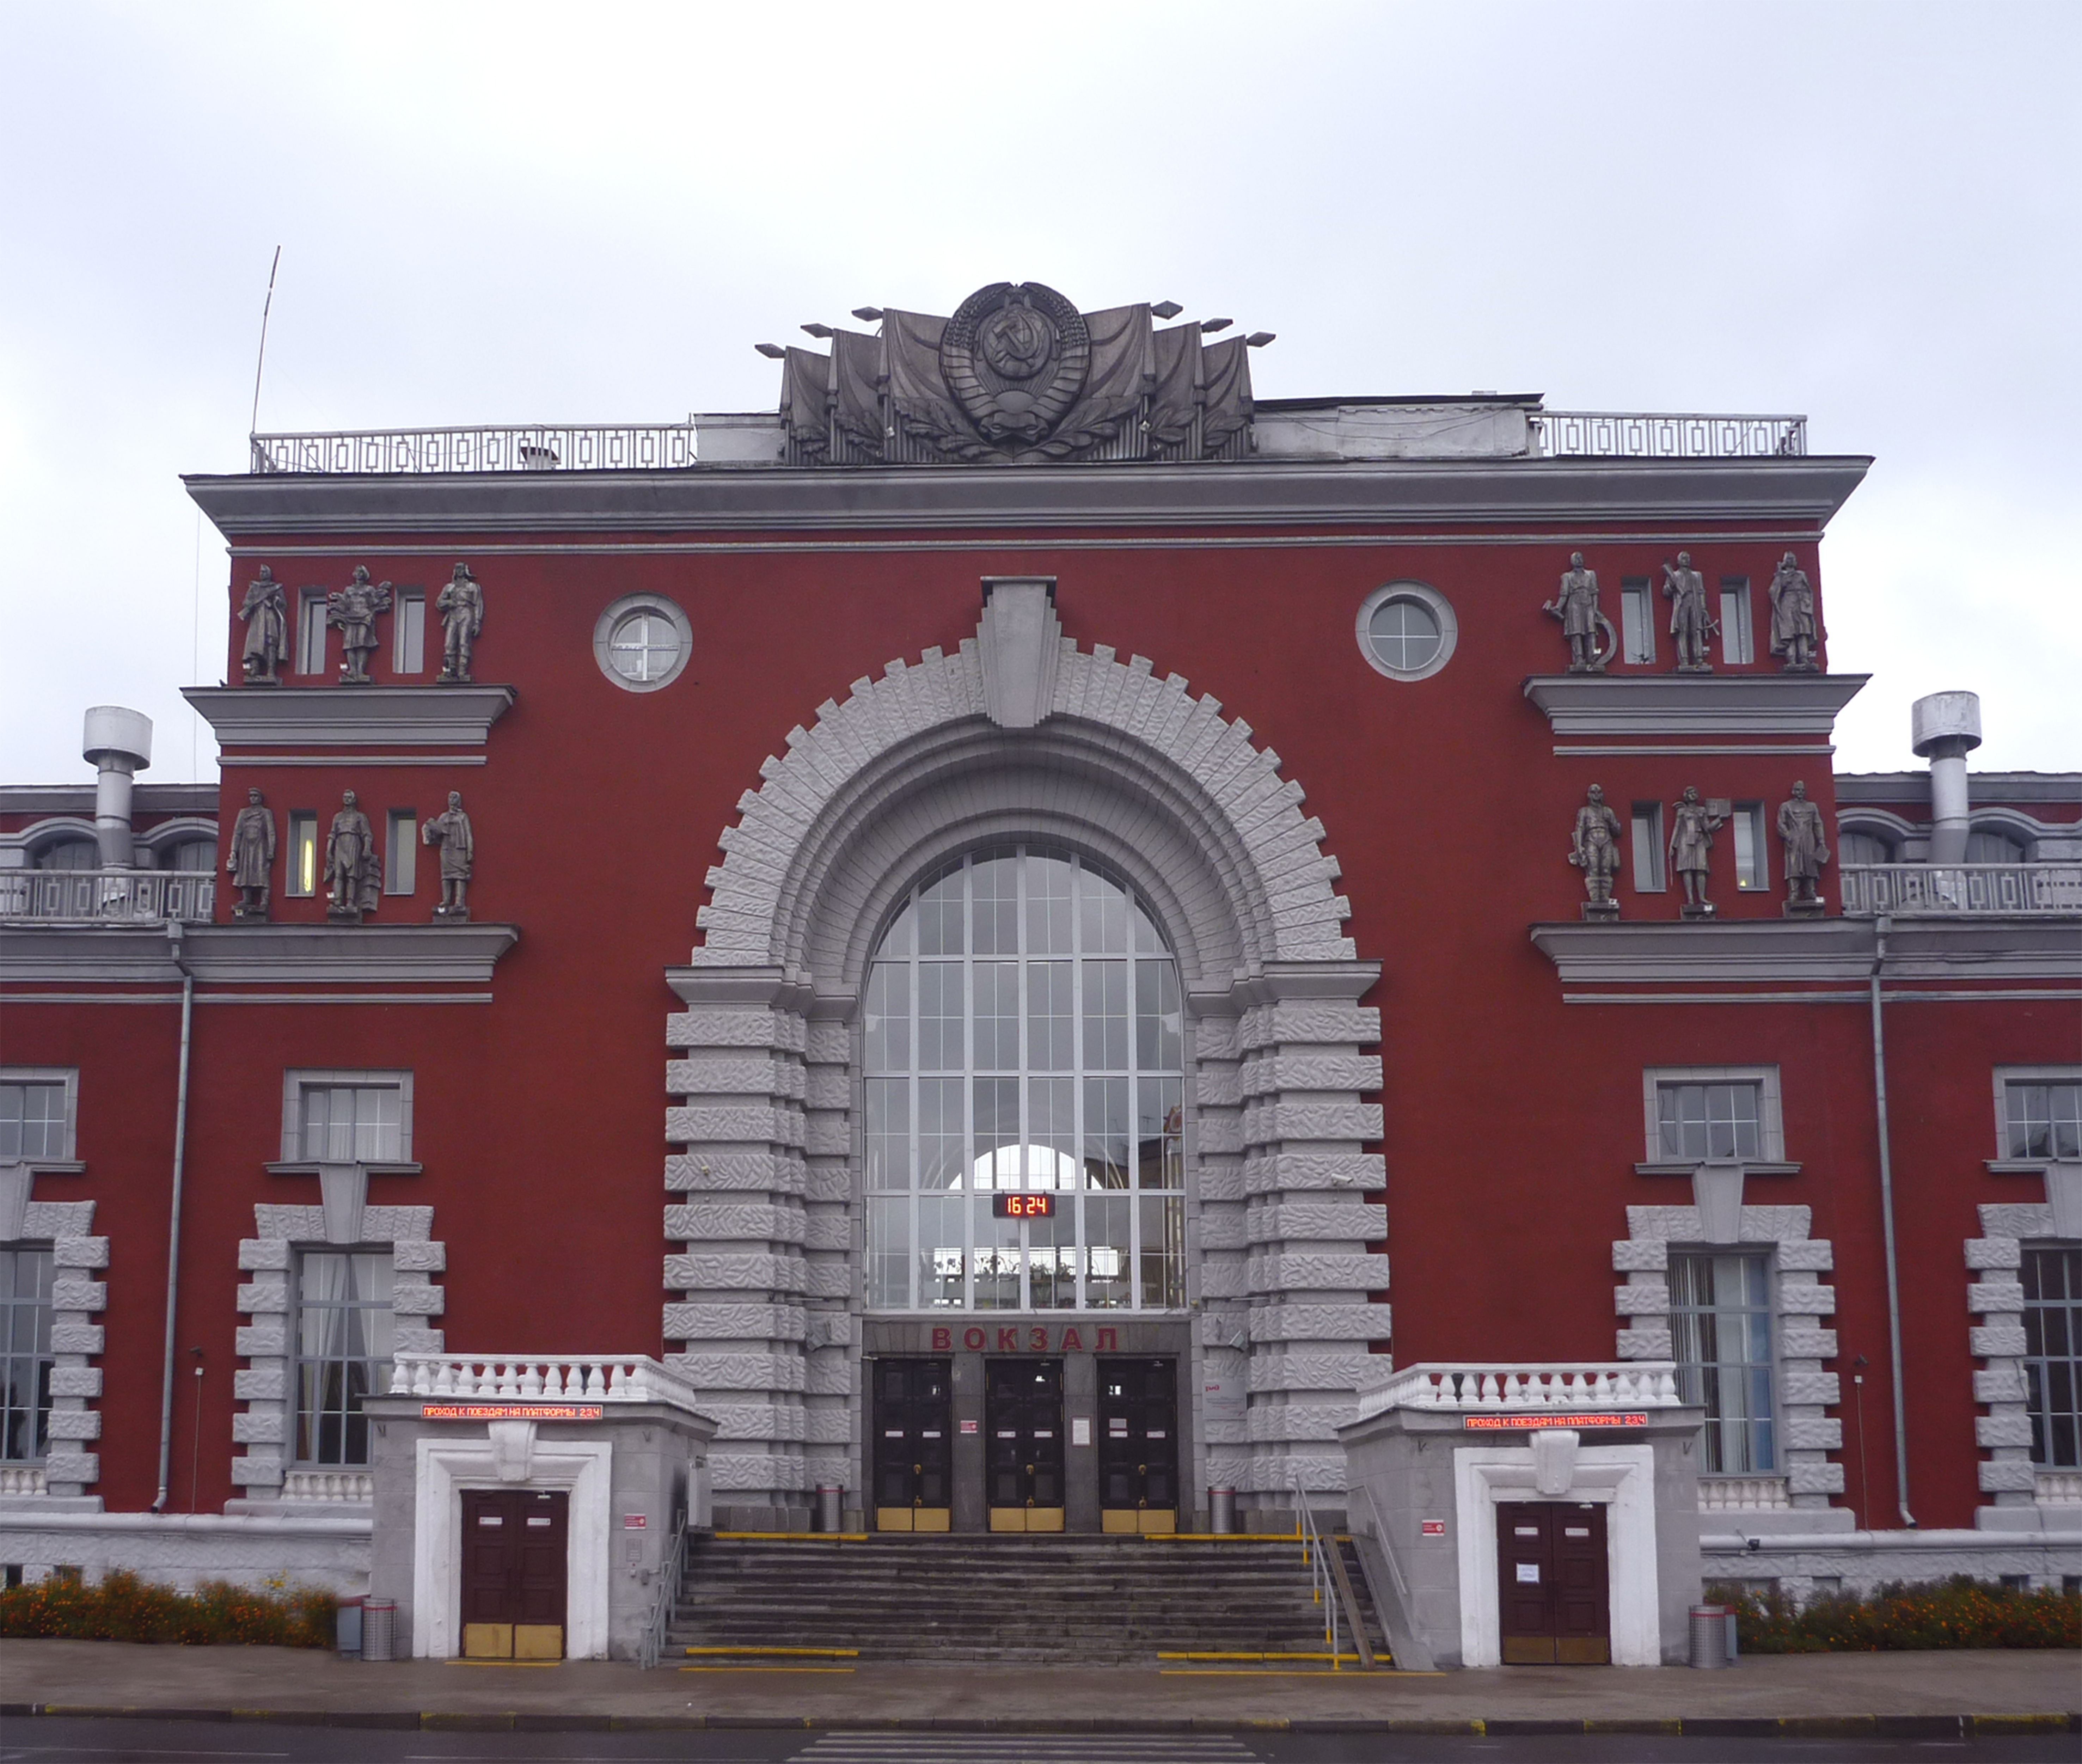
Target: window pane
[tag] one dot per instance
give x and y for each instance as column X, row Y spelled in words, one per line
column 1636, row 620
column 1049, row 889
column 940, row 1013
column 1050, row 1015
column 1648, row 852
column 889, row 1251
column 1720, row 1320
column 942, row 1133
column 886, row 1021
column 1404, row 633
column 1106, row 1250
column 2045, row 1120
column 998, row 1284
column 1103, row 915
column 1700, row 1122
column 997, row 1015
column 939, row 915
column 409, row 626
column 1158, row 1046
column 25, row 1359
column 997, row 1151
column 994, row 888
column 1105, row 1016
column 31, row 1121
column 886, row 1117
column 1158, row 1133
column 1163, row 1258
column 2053, row 1355
column 942, row 1251
column 345, row 1335
column 1105, row 1133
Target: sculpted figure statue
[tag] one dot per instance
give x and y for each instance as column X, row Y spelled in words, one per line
column 1793, row 629
column 1594, row 850
column 353, row 609
column 353, row 872
column 461, row 605
column 1691, row 625
column 1576, row 605
column 251, row 859
column 451, row 832
column 265, row 613
column 1806, row 851
column 1691, row 829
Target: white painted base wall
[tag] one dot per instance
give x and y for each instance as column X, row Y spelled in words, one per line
column 1803, row 1564
column 185, row 1549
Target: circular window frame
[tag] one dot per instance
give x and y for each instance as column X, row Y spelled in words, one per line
column 1436, row 604
column 603, row 640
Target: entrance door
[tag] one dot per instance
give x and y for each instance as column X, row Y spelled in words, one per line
column 1023, row 1455
column 1139, row 1445
column 1552, row 1594
column 912, row 1453
column 513, row 1573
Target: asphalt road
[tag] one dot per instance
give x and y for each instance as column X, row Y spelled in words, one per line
column 53, row 1740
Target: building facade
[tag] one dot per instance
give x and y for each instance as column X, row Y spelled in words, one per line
column 969, row 924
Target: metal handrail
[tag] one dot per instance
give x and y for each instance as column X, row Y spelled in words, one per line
column 1320, row 1583
column 1910, row 890
column 107, row 896
column 506, row 447
column 1387, row 1551
column 671, row 1572
column 1667, row 434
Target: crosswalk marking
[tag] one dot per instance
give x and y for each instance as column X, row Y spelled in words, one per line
column 915, row 1748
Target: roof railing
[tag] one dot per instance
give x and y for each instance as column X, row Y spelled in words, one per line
column 1919, row 890
column 107, row 896
column 524, row 447
column 1667, row 434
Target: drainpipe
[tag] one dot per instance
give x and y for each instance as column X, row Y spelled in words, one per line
column 1943, row 728
column 118, row 744
column 174, row 1222
column 1883, row 925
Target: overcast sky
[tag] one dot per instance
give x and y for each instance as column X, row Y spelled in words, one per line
column 511, row 213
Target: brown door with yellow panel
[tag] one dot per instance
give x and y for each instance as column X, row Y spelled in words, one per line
column 1553, row 1602
column 1139, row 1445
column 514, row 1573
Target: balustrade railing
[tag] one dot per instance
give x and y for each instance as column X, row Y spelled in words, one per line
column 117, row 895
column 1911, row 889
column 572, row 1377
column 1744, row 1494
column 1526, row 1385
column 2058, row 1488
column 359, row 1485
column 522, row 447
column 1667, row 434
column 21, row 1479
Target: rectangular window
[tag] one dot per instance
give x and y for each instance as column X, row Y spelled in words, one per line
column 889, row 1251
column 886, row 1022
column 408, row 626
column 344, row 1338
column 1638, row 620
column 1698, row 1123
column 2053, row 1355
column 311, row 633
column 1648, row 851
column 299, row 873
column 1752, row 856
column 32, row 1122
column 1720, row 1327
column 347, row 1122
column 399, row 869
column 25, row 1354
column 1735, row 645
column 2042, row 1120
column 886, row 1125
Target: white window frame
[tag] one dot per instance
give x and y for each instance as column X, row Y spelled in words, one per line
column 300, row 1254
column 1638, row 621
column 1757, row 880
column 296, row 1079
column 658, row 607
column 408, row 635
column 311, row 628
column 68, row 1076
column 1649, row 854
column 2002, row 1162
column 401, row 834
column 1738, row 633
column 1771, row 1120
column 1435, row 603
column 1764, row 1252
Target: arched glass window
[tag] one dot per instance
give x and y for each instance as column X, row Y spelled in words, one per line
column 1863, row 848
column 1023, row 1034
column 1986, row 846
column 191, row 854
column 70, row 854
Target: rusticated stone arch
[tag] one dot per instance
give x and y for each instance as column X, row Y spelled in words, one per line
column 1131, row 769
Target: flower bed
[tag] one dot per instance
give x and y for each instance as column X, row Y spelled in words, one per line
column 1961, row 1612
column 124, row 1608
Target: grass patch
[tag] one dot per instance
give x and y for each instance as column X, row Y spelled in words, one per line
column 1961, row 1612
column 124, row 1608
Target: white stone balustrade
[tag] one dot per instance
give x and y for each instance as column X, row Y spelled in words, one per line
column 1744, row 1494
column 329, row 1485
column 2059, row 1487
column 572, row 1378
column 21, row 1479
column 1528, row 1385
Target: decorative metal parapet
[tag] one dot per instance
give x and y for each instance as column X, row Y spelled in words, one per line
column 1526, row 1386
column 1910, row 890
column 1666, row 434
column 599, row 447
column 107, row 896
column 588, row 1377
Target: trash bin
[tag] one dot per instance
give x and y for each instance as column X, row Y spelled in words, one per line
column 1710, row 1635
column 346, row 1627
column 1221, row 1511
column 378, row 1618
column 828, row 1496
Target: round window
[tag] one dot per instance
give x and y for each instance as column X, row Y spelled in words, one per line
column 643, row 643
column 1407, row 630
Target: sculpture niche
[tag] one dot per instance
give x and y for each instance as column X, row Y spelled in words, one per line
column 1691, row 624
column 1593, row 848
column 1691, row 826
column 265, row 614
column 1792, row 627
column 461, row 606
column 354, row 609
column 1800, row 831
column 251, row 862
column 1592, row 639
column 451, row 832
column 353, row 872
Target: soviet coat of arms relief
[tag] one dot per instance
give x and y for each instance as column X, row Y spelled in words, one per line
column 1017, row 376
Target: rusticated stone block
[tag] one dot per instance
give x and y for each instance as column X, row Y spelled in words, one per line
column 754, row 1420
column 423, row 1258
column 2008, row 1477
column 734, row 1124
column 1994, row 1253
column 74, row 1294
column 1814, row 1478
column 718, row 1371
column 735, row 1170
column 76, row 1381
column 267, row 1382
column 1810, row 1255
column 2000, row 1384
column 1647, row 1299
column 263, row 1252
column 74, row 1423
column 708, row 1323
column 709, row 1271
column 1993, row 1430
column 411, row 1301
column 1985, row 1295
column 1643, row 1256
column 1993, row 1343
column 1798, row 1343
column 722, row 1025
column 1299, row 1271
column 1356, row 1322
column 1795, row 1300
column 80, row 1253
column 1275, row 1424
column 1813, row 1434
column 1319, row 1369
column 264, row 1426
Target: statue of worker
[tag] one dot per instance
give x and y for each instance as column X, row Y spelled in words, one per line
column 1792, row 628
column 265, row 613
column 1593, row 848
column 1691, row 624
column 353, row 872
column 1691, row 825
column 461, row 605
column 450, row 830
column 1576, row 605
column 353, row 609
column 1800, row 831
column 251, row 859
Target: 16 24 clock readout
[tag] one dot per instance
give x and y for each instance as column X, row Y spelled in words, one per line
column 1023, row 1205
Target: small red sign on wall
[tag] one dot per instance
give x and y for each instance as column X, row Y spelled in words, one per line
column 634, row 1521
column 1434, row 1528
column 970, row 1427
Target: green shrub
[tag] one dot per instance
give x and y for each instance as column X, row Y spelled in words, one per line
column 124, row 1608
column 1961, row 1612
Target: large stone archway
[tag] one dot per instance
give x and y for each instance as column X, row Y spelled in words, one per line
column 1020, row 734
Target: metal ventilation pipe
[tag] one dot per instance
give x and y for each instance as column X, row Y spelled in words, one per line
column 1944, row 728
column 118, row 743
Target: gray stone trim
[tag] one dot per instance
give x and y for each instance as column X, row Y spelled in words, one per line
column 1995, row 1302
column 1691, row 703
column 295, row 1078
column 1827, row 952
column 332, row 716
column 262, row 955
column 1893, row 787
column 267, row 1428
column 72, row 1465
column 1806, row 1393
column 1771, row 1113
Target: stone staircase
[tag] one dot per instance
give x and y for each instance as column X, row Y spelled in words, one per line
column 1079, row 1599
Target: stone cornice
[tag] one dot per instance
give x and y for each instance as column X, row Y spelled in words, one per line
column 352, row 716
column 1817, row 951
column 1800, row 492
column 286, row 955
column 1693, row 704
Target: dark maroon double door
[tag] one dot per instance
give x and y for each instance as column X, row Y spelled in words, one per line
column 1553, row 1594
column 515, row 1546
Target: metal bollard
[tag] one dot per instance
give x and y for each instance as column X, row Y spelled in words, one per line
column 829, row 1519
column 1710, row 1636
column 1221, row 1511
column 377, row 1617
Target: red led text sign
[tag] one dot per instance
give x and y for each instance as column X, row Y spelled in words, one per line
column 1037, row 1339
column 1529, row 1423
column 1023, row 1205
column 510, row 1411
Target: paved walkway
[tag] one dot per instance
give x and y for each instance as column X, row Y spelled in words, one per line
column 1811, row 1691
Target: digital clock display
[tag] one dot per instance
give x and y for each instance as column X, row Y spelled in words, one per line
column 1023, row 1205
